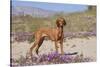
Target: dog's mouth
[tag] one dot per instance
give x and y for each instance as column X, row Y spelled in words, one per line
column 62, row 25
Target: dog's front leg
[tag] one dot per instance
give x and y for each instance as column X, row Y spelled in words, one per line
column 56, row 46
column 61, row 46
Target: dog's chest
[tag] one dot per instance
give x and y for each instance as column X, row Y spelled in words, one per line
column 44, row 35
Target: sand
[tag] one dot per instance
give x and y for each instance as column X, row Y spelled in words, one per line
column 85, row 46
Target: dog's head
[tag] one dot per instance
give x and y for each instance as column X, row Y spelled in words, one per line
column 60, row 22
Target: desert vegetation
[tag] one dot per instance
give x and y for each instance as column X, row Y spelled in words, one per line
column 76, row 22
column 51, row 58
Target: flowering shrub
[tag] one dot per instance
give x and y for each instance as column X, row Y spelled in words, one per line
column 51, row 58
column 29, row 36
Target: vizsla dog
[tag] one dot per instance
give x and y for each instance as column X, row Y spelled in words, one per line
column 55, row 34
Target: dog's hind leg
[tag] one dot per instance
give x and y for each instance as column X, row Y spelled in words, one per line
column 33, row 46
column 39, row 44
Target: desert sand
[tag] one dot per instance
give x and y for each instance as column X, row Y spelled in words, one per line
column 85, row 46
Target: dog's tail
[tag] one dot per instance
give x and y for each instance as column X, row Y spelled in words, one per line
column 31, row 38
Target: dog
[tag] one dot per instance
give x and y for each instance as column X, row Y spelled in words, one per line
column 55, row 34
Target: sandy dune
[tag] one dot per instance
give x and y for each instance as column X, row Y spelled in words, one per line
column 86, row 46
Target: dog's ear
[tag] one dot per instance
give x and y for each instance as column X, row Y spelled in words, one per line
column 64, row 22
column 57, row 23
